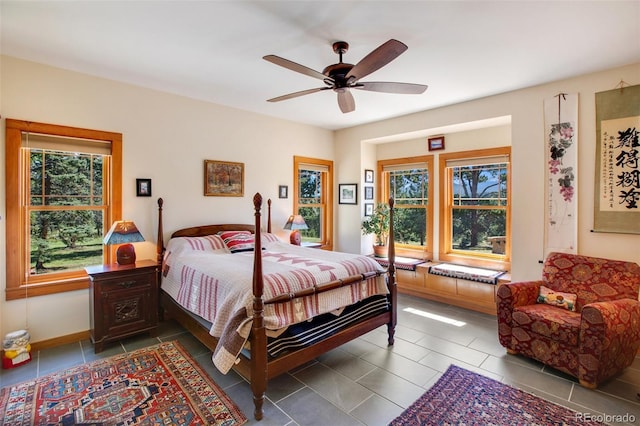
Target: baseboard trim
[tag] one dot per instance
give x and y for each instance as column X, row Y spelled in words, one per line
column 60, row 340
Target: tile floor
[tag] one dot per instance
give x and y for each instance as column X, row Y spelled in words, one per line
column 365, row 382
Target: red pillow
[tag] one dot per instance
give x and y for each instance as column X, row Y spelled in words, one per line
column 238, row 241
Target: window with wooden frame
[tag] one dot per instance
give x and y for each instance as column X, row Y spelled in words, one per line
column 63, row 192
column 313, row 199
column 475, row 202
column 409, row 182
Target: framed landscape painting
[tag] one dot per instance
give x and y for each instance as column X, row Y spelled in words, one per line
column 223, row 178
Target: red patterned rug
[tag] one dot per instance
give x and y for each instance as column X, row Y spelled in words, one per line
column 464, row 397
column 157, row 385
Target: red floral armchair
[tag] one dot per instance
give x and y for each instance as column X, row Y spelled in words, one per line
column 597, row 339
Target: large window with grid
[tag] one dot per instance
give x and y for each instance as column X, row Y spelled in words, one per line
column 475, row 200
column 409, row 182
column 313, row 200
column 64, row 198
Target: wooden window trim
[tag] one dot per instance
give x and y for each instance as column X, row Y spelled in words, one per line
column 15, row 286
column 383, row 191
column 445, row 225
column 327, row 190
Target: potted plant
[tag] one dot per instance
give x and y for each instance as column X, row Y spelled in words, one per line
column 378, row 224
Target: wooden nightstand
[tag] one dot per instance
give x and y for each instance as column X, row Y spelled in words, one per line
column 123, row 301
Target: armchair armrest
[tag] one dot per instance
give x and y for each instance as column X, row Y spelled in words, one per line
column 612, row 318
column 510, row 296
column 519, row 293
column 609, row 337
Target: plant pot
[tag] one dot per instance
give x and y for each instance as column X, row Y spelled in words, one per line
column 380, row 251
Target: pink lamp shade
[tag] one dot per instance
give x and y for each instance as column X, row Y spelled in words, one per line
column 124, row 232
column 295, row 223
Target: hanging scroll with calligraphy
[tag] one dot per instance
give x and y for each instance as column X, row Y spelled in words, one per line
column 617, row 184
column 561, row 173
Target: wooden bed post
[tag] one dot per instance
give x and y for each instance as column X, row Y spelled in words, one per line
column 258, row 334
column 393, row 291
column 159, row 258
column 160, row 240
column 269, row 215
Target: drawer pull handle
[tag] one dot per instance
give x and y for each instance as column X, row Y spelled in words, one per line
column 127, row 284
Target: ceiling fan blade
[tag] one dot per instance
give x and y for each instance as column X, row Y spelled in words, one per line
column 391, row 87
column 378, row 58
column 296, row 67
column 296, row 94
column 346, row 101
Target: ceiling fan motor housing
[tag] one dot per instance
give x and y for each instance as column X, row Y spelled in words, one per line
column 338, row 73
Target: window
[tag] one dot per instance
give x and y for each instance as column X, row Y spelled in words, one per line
column 63, row 193
column 313, row 180
column 474, row 195
column 408, row 182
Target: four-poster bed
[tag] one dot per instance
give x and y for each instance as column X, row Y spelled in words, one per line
column 283, row 305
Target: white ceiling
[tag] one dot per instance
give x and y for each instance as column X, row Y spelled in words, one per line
column 212, row 50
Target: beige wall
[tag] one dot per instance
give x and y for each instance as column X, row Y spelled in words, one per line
column 167, row 137
column 525, row 107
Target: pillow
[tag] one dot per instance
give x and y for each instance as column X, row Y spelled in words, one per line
column 209, row 244
column 206, row 243
column 269, row 238
column 556, row 298
column 238, row 241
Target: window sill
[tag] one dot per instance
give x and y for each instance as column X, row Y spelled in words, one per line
column 497, row 264
column 43, row 289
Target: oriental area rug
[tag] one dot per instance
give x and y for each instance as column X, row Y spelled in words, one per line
column 157, row 385
column 461, row 397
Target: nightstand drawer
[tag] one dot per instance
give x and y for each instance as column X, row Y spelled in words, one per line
column 126, row 283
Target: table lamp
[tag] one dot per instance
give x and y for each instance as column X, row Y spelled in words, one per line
column 295, row 223
column 124, row 232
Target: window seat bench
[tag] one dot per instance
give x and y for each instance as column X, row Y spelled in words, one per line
column 455, row 285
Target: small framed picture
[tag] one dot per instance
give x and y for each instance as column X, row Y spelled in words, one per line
column 348, row 193
column 368, row 176
column 368, row 209
column 435, row 143
column 283, row 191
column 368, row 192
column 143, row 187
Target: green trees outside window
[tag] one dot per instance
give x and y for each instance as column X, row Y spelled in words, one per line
column 66, row 210
column 479, row 215
column 310, row 203
column 409, row 189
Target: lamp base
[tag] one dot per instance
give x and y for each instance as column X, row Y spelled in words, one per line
column 126, row 255
column 295, row 238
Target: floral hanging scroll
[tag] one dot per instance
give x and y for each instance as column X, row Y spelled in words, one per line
column 561, row 167
column 617, row 184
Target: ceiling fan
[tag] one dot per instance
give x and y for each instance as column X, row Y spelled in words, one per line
column 343, row 77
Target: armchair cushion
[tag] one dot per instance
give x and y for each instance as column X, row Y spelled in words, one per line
column 548, row 321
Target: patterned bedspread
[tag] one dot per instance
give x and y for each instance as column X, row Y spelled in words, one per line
column 215, row 284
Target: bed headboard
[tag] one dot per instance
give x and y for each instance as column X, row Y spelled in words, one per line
column 201, row 231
